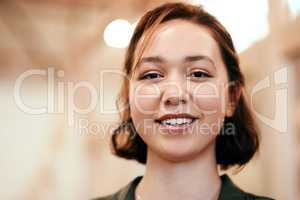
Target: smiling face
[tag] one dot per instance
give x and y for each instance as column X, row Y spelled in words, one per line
column 179, row 92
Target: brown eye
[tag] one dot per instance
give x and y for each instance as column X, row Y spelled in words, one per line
column 150, row 75
column 199, row 74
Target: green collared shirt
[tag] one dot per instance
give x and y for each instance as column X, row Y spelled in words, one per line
column 229, row 191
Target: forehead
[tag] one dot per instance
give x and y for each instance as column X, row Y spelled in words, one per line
column 176, row 39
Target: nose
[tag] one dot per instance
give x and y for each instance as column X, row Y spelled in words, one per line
column 174, row 101
column 174, row 95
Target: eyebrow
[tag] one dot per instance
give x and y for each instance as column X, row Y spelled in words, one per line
column 187, row 59
column 152, row 59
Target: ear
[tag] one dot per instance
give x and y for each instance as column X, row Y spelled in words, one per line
column 234, row 96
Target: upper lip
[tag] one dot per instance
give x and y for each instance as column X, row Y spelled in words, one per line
column 174, row 116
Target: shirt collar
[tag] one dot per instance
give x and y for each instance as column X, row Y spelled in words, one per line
column 228, row 190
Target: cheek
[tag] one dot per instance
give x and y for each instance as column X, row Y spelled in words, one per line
column 210, row 97
column 144, row 99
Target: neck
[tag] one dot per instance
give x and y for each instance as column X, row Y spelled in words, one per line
column 194, row 179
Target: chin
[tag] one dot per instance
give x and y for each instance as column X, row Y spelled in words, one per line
column 179, row 148
column 181, row 152
column 178, row 158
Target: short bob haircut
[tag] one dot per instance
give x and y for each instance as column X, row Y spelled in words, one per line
column 231, row 149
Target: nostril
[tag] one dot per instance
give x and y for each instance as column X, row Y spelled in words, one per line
column 175, row 101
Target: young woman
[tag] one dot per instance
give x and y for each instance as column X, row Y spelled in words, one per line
column 185, row 111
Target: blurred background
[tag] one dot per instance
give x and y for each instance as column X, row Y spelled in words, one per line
column 60, row 64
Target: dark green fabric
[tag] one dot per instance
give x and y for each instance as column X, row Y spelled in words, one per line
column 229, row 191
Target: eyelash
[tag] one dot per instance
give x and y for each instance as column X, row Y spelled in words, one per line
column 202, row 73
column 150, row 75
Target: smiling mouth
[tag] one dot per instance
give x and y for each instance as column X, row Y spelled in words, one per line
column 176, row 119
column 176, row 124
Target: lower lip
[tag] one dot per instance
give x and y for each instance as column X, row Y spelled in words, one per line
column 176, row 130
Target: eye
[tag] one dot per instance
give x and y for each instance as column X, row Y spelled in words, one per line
column 150, row 75
column 199, row 74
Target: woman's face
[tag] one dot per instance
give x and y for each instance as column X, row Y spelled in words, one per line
column 179, row 92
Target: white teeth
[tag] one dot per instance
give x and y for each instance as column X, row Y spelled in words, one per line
column 176, row 121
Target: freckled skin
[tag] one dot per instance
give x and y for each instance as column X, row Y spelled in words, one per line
column 173, row 41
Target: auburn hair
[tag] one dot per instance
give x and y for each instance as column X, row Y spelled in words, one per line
column 231, row 149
